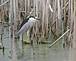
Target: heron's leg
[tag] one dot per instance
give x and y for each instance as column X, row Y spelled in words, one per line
column 31, row 42
column 30, row 36
column 3, row 50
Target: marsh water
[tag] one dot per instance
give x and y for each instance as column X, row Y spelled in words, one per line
column 40, row 52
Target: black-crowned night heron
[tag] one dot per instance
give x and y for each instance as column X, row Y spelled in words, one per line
column 26, row 25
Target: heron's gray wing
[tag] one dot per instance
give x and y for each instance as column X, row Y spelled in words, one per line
column 25, row 28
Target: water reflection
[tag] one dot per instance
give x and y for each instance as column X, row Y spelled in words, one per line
column 43, row 53
column 39, row 52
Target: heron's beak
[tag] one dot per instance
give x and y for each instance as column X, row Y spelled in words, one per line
column 37, row 18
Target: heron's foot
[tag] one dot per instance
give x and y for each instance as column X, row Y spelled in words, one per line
column 2, row 47
column 16, row 37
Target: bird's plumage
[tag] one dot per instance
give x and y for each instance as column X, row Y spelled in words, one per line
column 25, row 21
column 26, row 25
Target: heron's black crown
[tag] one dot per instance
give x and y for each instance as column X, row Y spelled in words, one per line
column 25, row 21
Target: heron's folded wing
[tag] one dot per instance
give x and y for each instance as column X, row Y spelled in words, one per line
column 24, row 28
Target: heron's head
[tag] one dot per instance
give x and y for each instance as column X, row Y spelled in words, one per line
column 32, row 19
